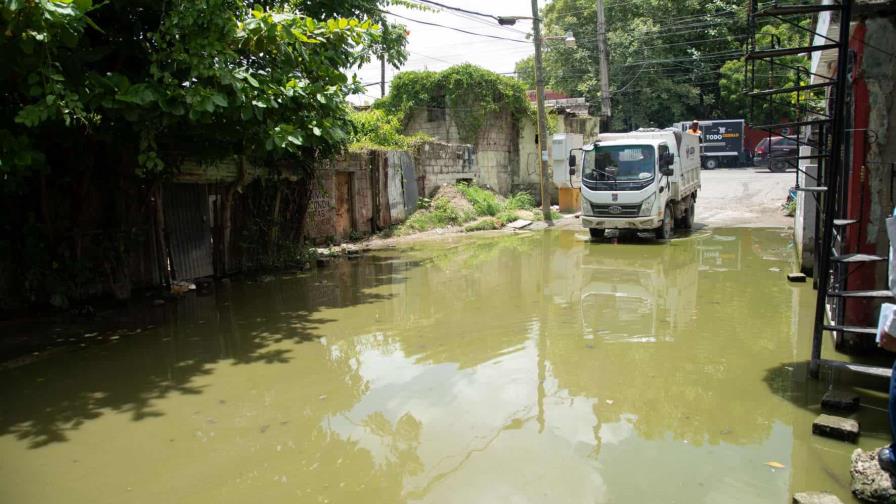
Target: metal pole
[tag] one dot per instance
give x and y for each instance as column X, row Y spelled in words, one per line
column 543, row 141
column 835, row 166
column 605, row 111
column 383, row 75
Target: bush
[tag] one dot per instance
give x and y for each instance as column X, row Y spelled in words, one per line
column 380, row 130
column 520, row 201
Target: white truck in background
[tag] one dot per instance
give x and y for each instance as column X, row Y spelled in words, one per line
column 643, row 180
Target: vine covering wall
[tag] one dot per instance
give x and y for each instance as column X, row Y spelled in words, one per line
column 469, row 92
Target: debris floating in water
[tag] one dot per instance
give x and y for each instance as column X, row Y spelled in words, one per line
column 775, row 465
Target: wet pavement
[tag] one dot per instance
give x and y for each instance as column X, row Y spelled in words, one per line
column 537, row 367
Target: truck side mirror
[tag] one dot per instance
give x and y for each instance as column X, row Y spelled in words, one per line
column 667, row 171
column 572, row 171
column 668, row 158
column 572, row 161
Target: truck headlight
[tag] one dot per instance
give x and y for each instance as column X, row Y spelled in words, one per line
column 647, row 206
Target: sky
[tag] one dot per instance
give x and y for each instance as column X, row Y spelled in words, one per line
column 434, row 48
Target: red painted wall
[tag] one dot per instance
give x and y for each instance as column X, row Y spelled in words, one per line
column 858, row 311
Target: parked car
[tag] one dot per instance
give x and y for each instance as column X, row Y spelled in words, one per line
column 776, row 153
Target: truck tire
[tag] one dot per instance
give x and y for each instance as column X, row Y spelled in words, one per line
column 688, row 220
column 711, row 163
column 596, row 234
column 666, row 229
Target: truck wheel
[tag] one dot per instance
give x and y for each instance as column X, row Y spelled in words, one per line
column 689, row 218
column 664, row 232
column 596, row 234
column 711, row 163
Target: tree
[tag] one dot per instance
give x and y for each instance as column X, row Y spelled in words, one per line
column 665, row 57
column 734, row 81
column 96, row 93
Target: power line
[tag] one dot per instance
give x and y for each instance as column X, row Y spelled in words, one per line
column 456, row 29
column 458, row 9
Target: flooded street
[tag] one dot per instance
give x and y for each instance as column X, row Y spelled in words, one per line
column 537, row 367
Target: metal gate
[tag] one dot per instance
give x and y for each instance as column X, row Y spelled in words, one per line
column 188, row 226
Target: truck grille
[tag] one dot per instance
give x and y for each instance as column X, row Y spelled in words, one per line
column 616, row 210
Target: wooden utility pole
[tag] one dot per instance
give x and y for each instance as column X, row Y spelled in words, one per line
column 605, row 111
column 543, row 142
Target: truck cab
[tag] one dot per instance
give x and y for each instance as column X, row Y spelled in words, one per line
column 645, row 181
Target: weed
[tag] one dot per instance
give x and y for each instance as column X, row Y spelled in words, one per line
column 790, row 208
column 484, row 201
column 520, row 201
column 485, row 224
column 440, row 214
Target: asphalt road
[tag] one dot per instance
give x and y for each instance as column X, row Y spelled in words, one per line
column 743, row 197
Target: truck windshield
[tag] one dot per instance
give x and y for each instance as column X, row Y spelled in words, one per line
column 622, row 163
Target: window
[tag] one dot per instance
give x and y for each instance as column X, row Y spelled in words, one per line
column 620, row 163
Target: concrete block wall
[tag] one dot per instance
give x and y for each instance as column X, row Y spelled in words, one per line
column 439, row 163
column 496, row 147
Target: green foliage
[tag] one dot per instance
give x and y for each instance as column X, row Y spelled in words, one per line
column 95, row 93
column 520, row 201
column 484, row 202
column 783, row 109
column 376, row 129
column 484, row 224
column 441, row 214
column 152, row 78
column 790, row 208
column 489, row 211
column 665, row 57
column 468, row 93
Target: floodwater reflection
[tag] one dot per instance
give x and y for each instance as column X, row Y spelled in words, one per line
column 533, row 368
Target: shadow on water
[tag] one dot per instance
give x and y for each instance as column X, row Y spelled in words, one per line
column 791, row 381
column 157, row 352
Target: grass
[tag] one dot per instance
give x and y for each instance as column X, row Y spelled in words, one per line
column 440, row 214
column 498, row 212
column 484, row 224
column 485, row 202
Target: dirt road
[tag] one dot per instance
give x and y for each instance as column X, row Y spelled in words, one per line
column 744, row 197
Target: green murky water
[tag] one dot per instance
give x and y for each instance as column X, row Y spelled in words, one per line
column 534, row 368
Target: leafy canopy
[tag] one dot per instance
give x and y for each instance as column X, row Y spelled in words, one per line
column 664, row 56
column 376, row 130
column 469, row 92
column 167, row 80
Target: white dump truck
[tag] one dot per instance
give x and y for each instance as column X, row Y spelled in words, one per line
column 643, row 180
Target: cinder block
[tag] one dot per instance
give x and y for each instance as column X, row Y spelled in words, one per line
column 816, row 498
column 840, row 400
column 844, row 429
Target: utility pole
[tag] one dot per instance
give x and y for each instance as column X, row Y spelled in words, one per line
column 543, row 141
column 605, row 111
column 383, row 75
